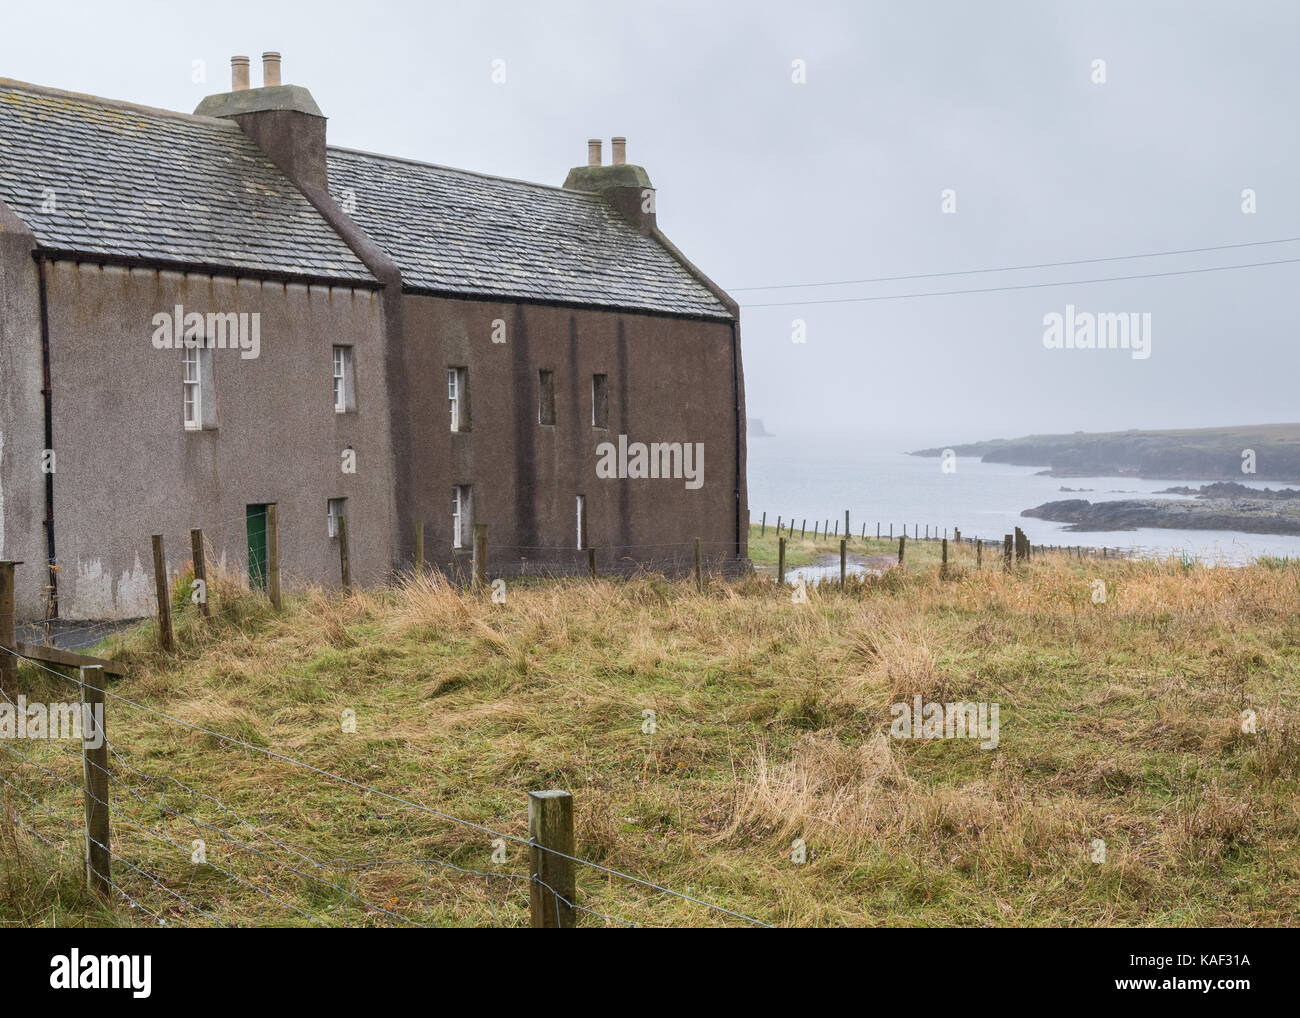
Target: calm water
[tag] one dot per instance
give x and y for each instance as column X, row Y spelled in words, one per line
column 817, row 479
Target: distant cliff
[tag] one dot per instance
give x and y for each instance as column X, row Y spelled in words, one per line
column 756, row 429
column 1215, row 454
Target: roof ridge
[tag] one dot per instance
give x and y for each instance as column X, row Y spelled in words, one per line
column 456, row 169
column 99, row 100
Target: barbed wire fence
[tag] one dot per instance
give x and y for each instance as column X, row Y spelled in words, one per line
column 180, row 856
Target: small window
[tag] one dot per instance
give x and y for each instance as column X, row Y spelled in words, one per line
column 600, row 401
column 546, row 405
column 462, row 515
column 344, row 387
column 582, row 522
column 199, row 409
column 336, row 507
column 458, row 398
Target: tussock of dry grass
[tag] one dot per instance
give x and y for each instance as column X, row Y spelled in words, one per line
column 1120, row 722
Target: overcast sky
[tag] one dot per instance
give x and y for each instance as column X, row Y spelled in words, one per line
column 764, row 181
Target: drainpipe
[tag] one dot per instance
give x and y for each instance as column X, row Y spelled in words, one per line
column 735, row 413
column 47, row 393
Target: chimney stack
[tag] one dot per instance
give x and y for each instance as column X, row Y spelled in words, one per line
column 283, row 120
column 270, row 69
column 625, row 187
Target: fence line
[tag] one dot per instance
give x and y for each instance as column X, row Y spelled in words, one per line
column 531, row 843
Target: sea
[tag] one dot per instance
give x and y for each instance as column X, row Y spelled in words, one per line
column 817, row 478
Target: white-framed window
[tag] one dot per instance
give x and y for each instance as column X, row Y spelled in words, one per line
column 462, row 515
column 582, row 522
column 193, row 390
column 458, row 398
column 198, row 400
column 335, row 507
column 344, row 385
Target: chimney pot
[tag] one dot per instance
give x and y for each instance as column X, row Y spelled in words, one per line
column 593, row 151
column 270, row 68
column 238, row 74
column 619, row 145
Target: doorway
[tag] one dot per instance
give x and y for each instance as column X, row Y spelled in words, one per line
column 256, row 521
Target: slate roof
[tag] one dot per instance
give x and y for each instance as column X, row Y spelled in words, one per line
column 452, row 231
column 138, row 182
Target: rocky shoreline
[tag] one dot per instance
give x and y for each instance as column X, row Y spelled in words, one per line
column 1215, row 507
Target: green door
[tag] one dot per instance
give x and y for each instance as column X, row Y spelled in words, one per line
column 256, row 517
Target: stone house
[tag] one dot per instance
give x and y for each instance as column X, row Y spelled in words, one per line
column 202, row 315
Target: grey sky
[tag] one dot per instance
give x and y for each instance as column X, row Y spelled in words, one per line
column 763, row 181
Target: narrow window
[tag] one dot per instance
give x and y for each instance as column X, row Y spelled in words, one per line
column 336, row 507
column 600, row 401
column 462, row 515
column 199, row 405
column 193, row 390
column 344, row 388
column 458, row 398
column 582, row 522
column 546, row 405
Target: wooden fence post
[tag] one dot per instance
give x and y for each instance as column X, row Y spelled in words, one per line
column 8, row 662
column 847, row 531
column 345, row 560
column 552, row 886
column 419, row 547
column 979, row 554
column 902, row 540
column 843, row 561
column 780, row 562
column 778, row 524
column 1006, row 553
column 200, row 569
column 803, row 527
column 273, row 556
column 164, row 601
column 878, row 530
column 94, row 751
column 943, row 562
column 699, row 569
column 480, row 554
column 763, row 526
column 891, row 531
column 591, row 562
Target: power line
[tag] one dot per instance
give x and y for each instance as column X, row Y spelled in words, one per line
column 1020, row 286
column 1016, row 268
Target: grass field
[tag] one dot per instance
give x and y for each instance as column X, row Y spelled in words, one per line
column 1120, row 722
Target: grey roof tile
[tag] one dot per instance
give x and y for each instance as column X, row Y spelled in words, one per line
column 454, row 231
column 131, row 181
